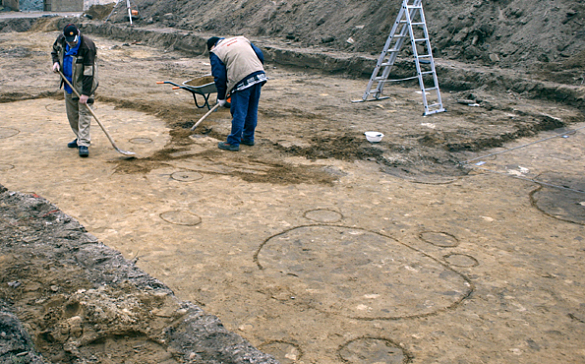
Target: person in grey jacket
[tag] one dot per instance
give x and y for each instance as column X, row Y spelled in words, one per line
column 238, row 71
column 75, row 56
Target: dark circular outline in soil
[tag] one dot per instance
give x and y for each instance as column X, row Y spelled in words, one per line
column 475, row 261
column 301, row 352
column 10, row 136
column 408, row 357
column 137, row 141
column 451, row 307
column 186, row 180
column 420, row 236
column 534, row 204
column 324, row 222
column 61, row 105
column 176, row 223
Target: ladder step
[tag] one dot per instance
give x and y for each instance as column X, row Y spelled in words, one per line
column 414, row 6
column 434, row 105
column 418, row 23
column 386, row 64
column 421, row 40
column 425, row 56
column 431, row 89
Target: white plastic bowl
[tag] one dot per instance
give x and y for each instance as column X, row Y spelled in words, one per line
column 374, row 136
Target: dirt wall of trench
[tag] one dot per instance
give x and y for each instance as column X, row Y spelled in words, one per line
column 453, row 75
column 87, row 297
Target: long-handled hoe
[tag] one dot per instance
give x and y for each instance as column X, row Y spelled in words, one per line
column 97, row 119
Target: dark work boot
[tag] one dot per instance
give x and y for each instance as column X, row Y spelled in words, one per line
column 248, row 142
column 226, row 146
column 73, row 144
column 83, row 151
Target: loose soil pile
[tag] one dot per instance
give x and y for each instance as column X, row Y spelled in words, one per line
column 536, row 36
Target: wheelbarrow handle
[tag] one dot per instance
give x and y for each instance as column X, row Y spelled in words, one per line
column 166, row 82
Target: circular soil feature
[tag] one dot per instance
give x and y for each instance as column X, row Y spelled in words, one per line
column 5, row 167
column 372, row 351
column 57, row 107
column 140, row 140
column 561, row 204
column 180, row 217
column 439, row 238
column 323, row 215
column 284, row 352
column 461, row 260
column 358, row 274
column 8, row 132
column 186, row 176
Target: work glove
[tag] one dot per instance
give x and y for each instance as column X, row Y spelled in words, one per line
column 221, row 102
column 56, row 67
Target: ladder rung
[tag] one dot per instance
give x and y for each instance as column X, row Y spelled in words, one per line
column 421, row 23
column 434, row 105
column 392, row 50
column 414, row 6
column 425, row 56
column 427, row 73
column 421, row 40
column 386, row 64
column 430, row 89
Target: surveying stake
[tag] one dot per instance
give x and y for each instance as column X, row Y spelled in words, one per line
column 128, row 6
column 411, row 20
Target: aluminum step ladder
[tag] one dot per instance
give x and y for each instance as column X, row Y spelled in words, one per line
column 410, row 23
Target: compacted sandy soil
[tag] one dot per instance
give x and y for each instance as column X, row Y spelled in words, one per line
column 314, row 245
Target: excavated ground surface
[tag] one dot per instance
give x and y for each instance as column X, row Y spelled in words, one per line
column 314, row 245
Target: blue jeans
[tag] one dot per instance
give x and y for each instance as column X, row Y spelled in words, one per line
column 244, row 112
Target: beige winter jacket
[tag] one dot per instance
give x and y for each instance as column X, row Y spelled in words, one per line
column 239, row 58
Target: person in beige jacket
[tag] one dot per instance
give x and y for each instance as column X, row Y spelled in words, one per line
column 75, row 56
column 238, row 71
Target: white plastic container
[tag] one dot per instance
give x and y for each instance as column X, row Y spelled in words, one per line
column 374, row 136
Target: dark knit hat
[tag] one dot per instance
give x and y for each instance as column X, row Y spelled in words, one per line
column 211, row 42
column 70, row 32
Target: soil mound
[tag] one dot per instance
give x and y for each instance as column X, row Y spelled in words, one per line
column 507, row 33
column 99, row 12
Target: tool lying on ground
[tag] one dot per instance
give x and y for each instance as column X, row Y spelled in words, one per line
column 203, row 86
column 96, row 119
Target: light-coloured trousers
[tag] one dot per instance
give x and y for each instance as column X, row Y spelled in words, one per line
column 79, row 119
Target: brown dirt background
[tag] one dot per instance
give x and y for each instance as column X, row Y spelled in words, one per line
column 451, row 262
column 537, row 36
